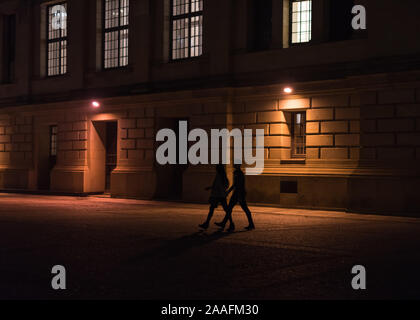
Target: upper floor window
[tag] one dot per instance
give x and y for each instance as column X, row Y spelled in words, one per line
column 260, row 24
column 187, row 28
column 301, row 21
column 340, row 20
column 9, row 48
column 298, row 133
column 116, row 23
column 57, row 39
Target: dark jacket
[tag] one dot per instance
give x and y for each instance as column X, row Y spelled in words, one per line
column 239, row 183
column 220, row 184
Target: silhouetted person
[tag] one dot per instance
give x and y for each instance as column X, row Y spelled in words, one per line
column 218, row 195
column 239, row 195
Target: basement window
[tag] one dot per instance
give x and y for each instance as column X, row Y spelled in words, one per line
column 290, row 187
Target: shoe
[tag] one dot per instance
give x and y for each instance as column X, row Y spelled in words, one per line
column 231, row 228
column 204, row 226
column 220, row 224
column 249, row 228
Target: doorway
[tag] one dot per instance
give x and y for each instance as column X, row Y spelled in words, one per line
column 103, row 157
column 170, row 177
column 111, row 153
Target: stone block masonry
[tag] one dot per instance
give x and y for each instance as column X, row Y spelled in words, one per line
column 390, row 126
column 16, row 141
column 276, row 125
column 333, row 127
column 137, row 141
column 72, row 139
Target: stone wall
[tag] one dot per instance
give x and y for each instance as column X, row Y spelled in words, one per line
column 16, row 150
column 333, row 128
column 16, row 140
column 391, row 125
column 73, row 139
column 363, row 147
column 137, row 136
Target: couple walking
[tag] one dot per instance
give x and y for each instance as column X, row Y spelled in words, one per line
column 219, row 193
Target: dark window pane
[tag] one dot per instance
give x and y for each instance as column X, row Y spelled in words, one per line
column 9, row 45
column 260, row 24
column 341, row 16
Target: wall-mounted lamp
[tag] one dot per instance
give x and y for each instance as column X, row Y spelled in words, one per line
column 95, row 104
column 288, row 90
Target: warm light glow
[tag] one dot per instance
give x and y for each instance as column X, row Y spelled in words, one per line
column 96, row 104
column 106, row 116
column 298, row 103
column 288, row 90
column 301, row 26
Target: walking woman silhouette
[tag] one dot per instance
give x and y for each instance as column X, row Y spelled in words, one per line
column 218, row 195
column 238, row 196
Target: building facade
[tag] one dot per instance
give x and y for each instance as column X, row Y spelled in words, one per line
column 86, row 84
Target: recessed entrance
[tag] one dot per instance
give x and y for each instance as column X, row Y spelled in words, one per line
column 103, row 157
column 169, row 177
column 111, row 153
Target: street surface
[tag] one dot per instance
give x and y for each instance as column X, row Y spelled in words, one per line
column 129, row 249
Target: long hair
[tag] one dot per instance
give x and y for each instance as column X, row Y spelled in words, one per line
column 222, row 172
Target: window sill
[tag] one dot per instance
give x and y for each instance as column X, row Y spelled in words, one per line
column 301, row 44
column 181, row 60
column 293, row 161
column 57, row 76
column 52, row 78
column 127, row 68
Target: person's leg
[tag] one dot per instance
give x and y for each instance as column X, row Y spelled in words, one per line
column 228, row 216
column 245, row 208
column 205, row 225
column 232, row 203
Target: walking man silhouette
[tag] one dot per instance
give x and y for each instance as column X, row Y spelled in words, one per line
column 239, row 196
column 218, row 195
